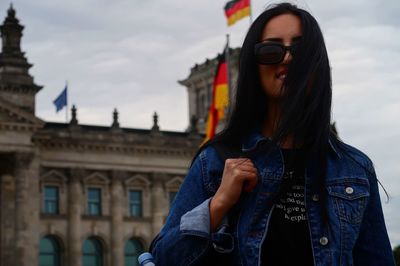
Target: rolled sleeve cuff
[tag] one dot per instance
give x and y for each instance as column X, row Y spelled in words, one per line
column 197, row 222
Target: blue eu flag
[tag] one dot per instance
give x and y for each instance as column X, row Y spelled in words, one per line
column 61, row 100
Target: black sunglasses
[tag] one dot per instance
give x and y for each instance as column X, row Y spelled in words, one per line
column 270, row 53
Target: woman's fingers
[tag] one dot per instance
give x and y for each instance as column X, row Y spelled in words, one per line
column 239, row 175
column 250, row 179
column 250, row 184
column 239, row 161
column 244, row 170
column 247, row 168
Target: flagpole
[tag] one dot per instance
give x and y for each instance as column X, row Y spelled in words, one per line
column 227, row 59
column 66, row 109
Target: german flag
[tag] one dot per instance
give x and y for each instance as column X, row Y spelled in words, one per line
column 220, row 96
column 236, row 9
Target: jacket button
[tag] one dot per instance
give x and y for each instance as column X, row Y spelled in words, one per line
column 349, row 190
column 315, row 197
column 323, row 241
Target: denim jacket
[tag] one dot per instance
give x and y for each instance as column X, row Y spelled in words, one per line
column 355, row 235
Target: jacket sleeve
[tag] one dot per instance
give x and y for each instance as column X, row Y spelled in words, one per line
column 373, row 245
column 186, row 237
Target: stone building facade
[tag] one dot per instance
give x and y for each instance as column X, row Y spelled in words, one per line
column 83, row 195
column 73, row 194
column 199, row 85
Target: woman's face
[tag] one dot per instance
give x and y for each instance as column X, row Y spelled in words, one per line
column 285, row 29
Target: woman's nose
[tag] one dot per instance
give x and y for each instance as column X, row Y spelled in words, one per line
column 288, row 57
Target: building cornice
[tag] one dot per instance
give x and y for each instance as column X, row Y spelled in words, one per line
column 30, row 89
column 98, row 139
column 22, row 120
column 19, row 127
column 123, row 148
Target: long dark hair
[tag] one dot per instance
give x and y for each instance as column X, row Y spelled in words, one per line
column 306, row 108
column 307, row 95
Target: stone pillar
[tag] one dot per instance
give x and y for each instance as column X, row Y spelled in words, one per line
column 159, row 204
column 117, row 216
column 7, row 210
column 75, row 201
column 26, row 210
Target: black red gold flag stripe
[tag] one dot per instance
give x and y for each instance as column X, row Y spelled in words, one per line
column 220, row 96
column 236, row 9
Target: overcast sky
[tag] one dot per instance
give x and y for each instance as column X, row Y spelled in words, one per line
column 129, row 54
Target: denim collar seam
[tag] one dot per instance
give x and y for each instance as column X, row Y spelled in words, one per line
column 204, row 174
column 259, row 139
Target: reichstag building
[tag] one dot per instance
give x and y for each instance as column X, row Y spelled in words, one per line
column 85, row 195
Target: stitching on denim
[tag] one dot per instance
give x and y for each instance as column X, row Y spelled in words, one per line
column 359, row 195
column 357, row 202
column 359, row 207
column 342, row 233
column 364, row 208
column 348, row 179
column 204, row 173
column 328, row 233
column 195, row 233
column 190, row 261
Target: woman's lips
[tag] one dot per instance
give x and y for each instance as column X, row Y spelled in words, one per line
column 281, row 75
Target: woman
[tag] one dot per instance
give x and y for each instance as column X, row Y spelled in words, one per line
column 296, row 195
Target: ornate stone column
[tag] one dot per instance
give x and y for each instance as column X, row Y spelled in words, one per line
column 7, row 209
column 26, row 209
column 7, row 233
column 159, row 203
column 75, row 201
column 117, row 216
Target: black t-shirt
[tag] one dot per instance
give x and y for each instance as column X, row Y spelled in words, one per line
column 288, row 238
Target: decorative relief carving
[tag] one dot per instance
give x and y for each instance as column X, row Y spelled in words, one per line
column 16, row 116
column 19, row 127
column 96, row 178
column 102, row 182
column 56, row 174
column 169, row 147
column 137, row 181
column 53, row 177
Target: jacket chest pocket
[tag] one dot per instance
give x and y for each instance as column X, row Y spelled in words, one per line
column 349, row 198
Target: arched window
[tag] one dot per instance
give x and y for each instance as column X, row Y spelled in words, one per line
column 49, row 252
column 92, row 253
column 133, row 248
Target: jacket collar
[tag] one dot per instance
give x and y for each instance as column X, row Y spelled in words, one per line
column 254, row 138
column 251, row 140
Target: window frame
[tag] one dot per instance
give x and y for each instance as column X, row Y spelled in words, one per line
column 131, row 202
column 54, row 177
column 99, row 252
column 56, row 200
column 56, row 254
column 138, row 182
column 88, row 201
column 130, row 255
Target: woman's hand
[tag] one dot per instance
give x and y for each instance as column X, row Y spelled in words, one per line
column 239, row 174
